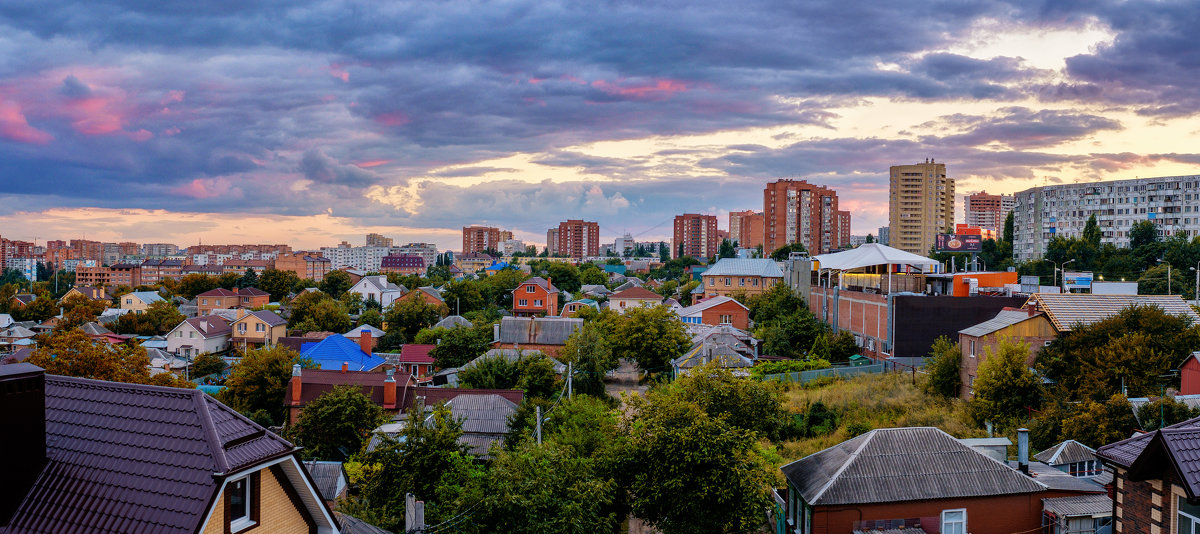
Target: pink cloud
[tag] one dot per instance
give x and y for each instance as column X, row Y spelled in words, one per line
column 141, row 135
column 172, row 131
column 172, row 96
column 339, row 72
column 14, row 126
column 202, row 188
column 392, row 118
column 373, row 163
column 655, row 90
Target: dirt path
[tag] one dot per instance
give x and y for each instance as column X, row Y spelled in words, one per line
column 624, row 380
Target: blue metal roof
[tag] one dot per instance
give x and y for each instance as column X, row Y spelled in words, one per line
column 332, row 351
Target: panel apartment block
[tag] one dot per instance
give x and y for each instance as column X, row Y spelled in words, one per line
column 477, row 239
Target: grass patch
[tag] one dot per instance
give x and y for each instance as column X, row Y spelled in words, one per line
column 869, row 401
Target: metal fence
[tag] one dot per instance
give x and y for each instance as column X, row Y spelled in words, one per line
column 806, row 376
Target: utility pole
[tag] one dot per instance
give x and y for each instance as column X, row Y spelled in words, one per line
column 570, row 383
column 539, row 425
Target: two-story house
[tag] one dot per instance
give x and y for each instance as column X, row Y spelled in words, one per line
column 200, row 335
column 378, row 289
column 88, row 292
column 89, row 456
column 139, row 301
column 535, row 297
column 634, row 297
column 733, row 276
column 223, row 299
column 717, row 311
column 257, row 328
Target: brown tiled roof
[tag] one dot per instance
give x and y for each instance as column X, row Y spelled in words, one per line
column 210, row 325
column 542, row 283
column 136, row 458
column 317, row 382
column 218, row 292
column 636, row 293
column 414, row 353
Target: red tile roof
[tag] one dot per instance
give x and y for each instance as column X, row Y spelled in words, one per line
column 136, row 458
column 317, row 382
column 414, row 353
column 636, row 293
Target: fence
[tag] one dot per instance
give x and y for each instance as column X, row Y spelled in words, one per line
column 806, row 376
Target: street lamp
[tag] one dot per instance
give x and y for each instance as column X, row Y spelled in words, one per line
column 1196, row 293
column 1168, row 275
column 1064, row 274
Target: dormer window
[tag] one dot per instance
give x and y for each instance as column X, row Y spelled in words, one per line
column 241, row 503
column 529, row 288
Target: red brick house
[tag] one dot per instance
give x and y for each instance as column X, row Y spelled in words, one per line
column 1156, row 480
column 1016, row 325
column 403, row 264
column 535, row 297
column 716, row 311
column 220, row 299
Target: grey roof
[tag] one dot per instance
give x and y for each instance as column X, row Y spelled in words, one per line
column 728, row 356
column 17, row 331
column 1079, row 506
column 484, row 420
column 433, row 292
column 902, row 464
column 354, row 525
column 149, row 297
column 1066, row 452
column 380, row 283
column 1060, row 480
column 1004, row 319
column 94, row 329
column 745, row 267
column 595, row 288
column 328, row 477
column 370, row 330
column 540, row 282
column 452, row 321
column 631, row 282
column 512, row 356
column 706, row 304
column 1065, row 310
column 538, row 330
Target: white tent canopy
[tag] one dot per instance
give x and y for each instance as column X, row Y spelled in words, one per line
column 869, row 255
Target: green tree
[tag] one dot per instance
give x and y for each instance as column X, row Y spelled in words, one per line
column 456, row 346
column 335, row 283
column 79, row 310
column 326, row 315
column 1162, row 412
column 410, row 315
column 727, row 250
column 207, row 364
column 563, row 275
column 259, row 380
column 1006, row 389
column 782, row 253
column 547, row 489
column 1142, row 234
column 651, row 337
column 372, row 317
column 788, row 335
column 1091, row 232
column 392, row 341
column 776, row 302
column 337, row 424
column 277, row 283
column 870, row 238
column 464, row 296
column 842, row 347
column 43, row 307
column 945, row 359
column 1097, row 423
column 746, row 404
column 592, row 274
column 194, row 284
column 591, row 358
column 533, row 373
column 250, row 279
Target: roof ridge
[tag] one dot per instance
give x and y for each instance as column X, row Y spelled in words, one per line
column 853, row 456
column 210, row 432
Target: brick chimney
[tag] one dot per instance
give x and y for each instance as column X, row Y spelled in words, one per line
column 389, row 390
column 345, row 367
column 23, row 423
column 366, row 342
column 296, row 382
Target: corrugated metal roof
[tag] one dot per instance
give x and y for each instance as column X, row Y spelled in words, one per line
column 354, row 525
column 328, row 477
column 512, row 356
column 135, row 458
column 452, row 321
column 1079, row 506
column 745, row 267
column 1066, row 452
column 1004, row 319
column 696, row 309
column 538, row 330
column 902, row 464
column 1065, row 310
column 635, row 293
column 1056, row 479
column 482, row 413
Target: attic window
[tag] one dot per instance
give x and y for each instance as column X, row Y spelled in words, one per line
column 241, row 503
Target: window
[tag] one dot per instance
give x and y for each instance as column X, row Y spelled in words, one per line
column 178, row 334
column 954, row 521
column 241, row 328
column 529, row 288
column 728, row 282
column 1189, row 517
column 537, row 302
column 259, row 327
column 522, row 302
column 742, row 282
column 241, row 503
column 727, row 319
column 192, row 334
column 203, row 302
column 972, row 348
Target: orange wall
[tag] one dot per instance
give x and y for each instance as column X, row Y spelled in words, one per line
column 961, row 289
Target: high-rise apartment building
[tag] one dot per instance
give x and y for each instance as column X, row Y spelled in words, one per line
column 1172, row 203
column 988, row 211
column 158, row 250
column 843, row 229
column 578, row 238
column 696, row 236
column 552, row 241
column 800, row 212
column 920, row 205
column 377, row 240
column 735, row 222
column 884, row 235
column 480, row 238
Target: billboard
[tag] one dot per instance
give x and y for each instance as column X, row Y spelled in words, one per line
column 958, row 243
column 1077, row 281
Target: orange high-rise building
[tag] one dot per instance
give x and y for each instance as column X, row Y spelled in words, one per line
column 578, row 238
column 796, row 211
column 696, row 236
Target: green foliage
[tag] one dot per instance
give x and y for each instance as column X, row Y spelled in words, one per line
column 392, row 341
column 945, row 359
column 790, row 334
column 159, row 318
column 79, row 310
column 727, row 250
column 317, row 312
column 533, row 373
column 464, row 296
column 1006, row 388
column 1132, row 348
column 353, row 303
column 410, row 315
column 592, row 274
column 259, row 380
column 250, row 279
column 207, row 364
column 72, row 353
column 744, row 403
column 563, row 275
column 43, row 307
column 334, row 283
column 1095, row 423
column 651, row 336
column 782, row 253
column 817, row 420
column 336, row 424
column 278, row 283
column 842, row 346
column 775, row 303
column 1163, row 412
column 456, row 346
column 372, row 317
column 591, row 358
column 787, row 366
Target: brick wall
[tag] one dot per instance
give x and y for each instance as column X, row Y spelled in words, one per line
column 276, row 512
column 1146, row 507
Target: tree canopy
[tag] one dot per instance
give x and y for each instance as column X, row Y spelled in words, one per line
column 337, row 424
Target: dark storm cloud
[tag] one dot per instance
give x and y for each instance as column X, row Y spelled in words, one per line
column 1020, row 128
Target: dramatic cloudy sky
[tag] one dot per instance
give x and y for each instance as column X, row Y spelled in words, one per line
column 311, row 122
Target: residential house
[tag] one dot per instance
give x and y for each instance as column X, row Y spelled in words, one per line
column 157, row 270
column 262, row 328
column 430, row 295
column 6, row 320
column 139, row 301
column 21, row 300
column 1075, row 459
column 403, row 264
column 378, row 289
column 535, row 297
column 17, row 336
column 484, row 419
column 162, row 361
column 513, row 355
column 547, row 334
column 329, row 480
column 1079, row 514
column 200, row 335
column 716, row 311
column 223, row 299
column 726, row 356
column 241, row 266
column 1066, row 310
column 595, row 290
column 339, row 352
column 919, row 478
column 453, row 321
column 125, row 274
column 88, row 292
column 1156, row 480
column 413, row 359
column 1189, row 371
column 366, row 336
column 473, row 263
column 82, row 462
column 733, row 276
column 570, row 308
column 634, row 297
column 1013, row 325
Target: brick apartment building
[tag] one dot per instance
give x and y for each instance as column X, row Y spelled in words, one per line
column 800, row 212
column 305, row 265
column 578, row 238
column 988, row 211
column 696, row 236
column 843, row 229
column 480, row 239
column 746, row 227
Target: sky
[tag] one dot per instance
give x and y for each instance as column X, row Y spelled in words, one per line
column 311, row 122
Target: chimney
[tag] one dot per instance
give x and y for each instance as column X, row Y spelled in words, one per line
column 389, row 390
column 345, row 367
column 23, row 423
column 1023, row 450
column 241, row 313
column 496, row 332
column 366, row 342
column 296, row 385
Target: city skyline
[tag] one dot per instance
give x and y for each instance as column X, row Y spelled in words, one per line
column 315, row 123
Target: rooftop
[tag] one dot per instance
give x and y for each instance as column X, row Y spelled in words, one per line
column 745, row 267
column 1066, row 310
